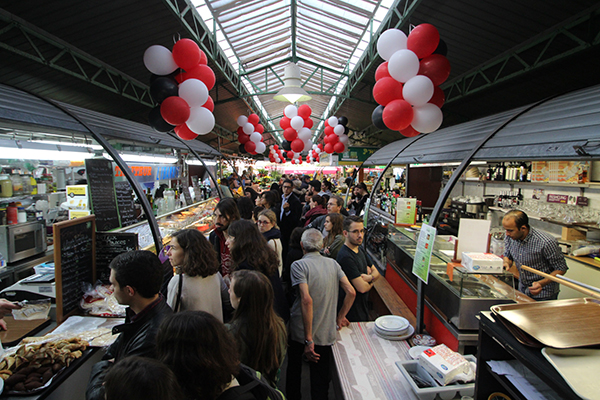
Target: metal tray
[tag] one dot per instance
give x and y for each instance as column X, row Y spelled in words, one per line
column 558, row 323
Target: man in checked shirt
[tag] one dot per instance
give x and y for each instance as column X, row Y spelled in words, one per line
column 525, row 245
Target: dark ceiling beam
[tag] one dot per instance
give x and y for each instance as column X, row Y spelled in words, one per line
column 22, row 38
column 575, row 35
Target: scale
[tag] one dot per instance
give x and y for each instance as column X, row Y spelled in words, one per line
column 34, row 287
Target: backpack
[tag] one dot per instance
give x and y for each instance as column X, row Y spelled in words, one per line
column 252, row 387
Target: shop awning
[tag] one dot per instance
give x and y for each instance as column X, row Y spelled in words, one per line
column 566, row 127
column 21, row 110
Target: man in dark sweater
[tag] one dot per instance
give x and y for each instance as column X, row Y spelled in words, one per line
column 136, row 277
column 226, row 212
column 357, row 266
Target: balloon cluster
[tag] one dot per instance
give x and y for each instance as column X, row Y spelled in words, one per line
column 336, row 135
column 407, row 83
column 313, row 155
column 296, row 125
column 276, row 155
column 183, row 100
column 250, row 134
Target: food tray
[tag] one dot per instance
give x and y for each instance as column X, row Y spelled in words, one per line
column 559, row 323
column 444, row 392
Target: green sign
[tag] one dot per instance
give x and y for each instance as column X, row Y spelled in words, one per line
column 357, row 154
column 423, row 252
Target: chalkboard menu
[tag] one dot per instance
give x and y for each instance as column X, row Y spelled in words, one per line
column 74, row 262
column 125, row 203
column 108, row 246
column 102, row 193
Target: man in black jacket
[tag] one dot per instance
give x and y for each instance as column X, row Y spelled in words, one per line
column 226, row 212
column 288, row 215
column 136, row 277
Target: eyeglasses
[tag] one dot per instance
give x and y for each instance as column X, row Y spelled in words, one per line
column 262, row 222
column 356, row 231
column 287, row 187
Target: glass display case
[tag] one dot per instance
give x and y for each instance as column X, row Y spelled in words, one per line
column 459, row 297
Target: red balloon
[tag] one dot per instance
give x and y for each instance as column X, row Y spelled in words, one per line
column 436, row 67
column 203, row 58
column 250, row 146
column 185, row 133
column 320, row 146
column 203, row 73
column 308, row 123
column 253, row 119
column 382, row 71
column 297, row 146
column 423, row 40
column 209, row 105
column 175, row 110
column 328, row 148
column 186, row 54
column 438, row 98
column 327, row 122
column 304, row 111
column 180, row 77
column 397, row 115
column 290, row 155
column 259, row 128
column 290, row 134
column 284, row 123
column 276, row 147
column 243, row 138
column 240, row 131
column 409, row 132
column 328, row 131
column 339, row 147
column 387, row 89
column 333, row 139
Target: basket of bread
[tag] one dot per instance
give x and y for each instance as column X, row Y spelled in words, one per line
column 31, row 366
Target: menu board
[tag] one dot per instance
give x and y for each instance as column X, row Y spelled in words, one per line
column 74, row 262
column 108, row 246
column 102, row 193
column 125, row 203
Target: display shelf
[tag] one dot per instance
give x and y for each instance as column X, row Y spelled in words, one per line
column 510, row 389
column 593, row 185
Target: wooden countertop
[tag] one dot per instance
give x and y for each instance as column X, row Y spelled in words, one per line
column 586, row 260
column 18, row 329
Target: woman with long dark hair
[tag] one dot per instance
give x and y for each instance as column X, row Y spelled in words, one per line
column 198, row 285
column 268, row 200
column 267, row 225
column 260, row 333
column 249, row 250
column 334, row 226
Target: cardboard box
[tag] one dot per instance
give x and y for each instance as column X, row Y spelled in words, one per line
column 482, row 263
column 572, row 234
column 443, row 364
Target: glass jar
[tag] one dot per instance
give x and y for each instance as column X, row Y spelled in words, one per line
column 17, row 184
column 21, row 215
column 6, row 187
column 26, row 184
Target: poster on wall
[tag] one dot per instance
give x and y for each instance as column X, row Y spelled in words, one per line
column 423, row 252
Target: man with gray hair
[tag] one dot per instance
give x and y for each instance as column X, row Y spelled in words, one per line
column 334, row 205
column 313, row 320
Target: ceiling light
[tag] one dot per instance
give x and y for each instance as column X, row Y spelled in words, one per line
column 292, row 90
column 18, row 150
column 141, row 158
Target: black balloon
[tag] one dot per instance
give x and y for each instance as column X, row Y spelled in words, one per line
column 242, row 149
column 442, row 48
column 157, row 122
column 377, row 118
column 346, row 130
column 342, row 120
column 162, row 88
column 287, row 146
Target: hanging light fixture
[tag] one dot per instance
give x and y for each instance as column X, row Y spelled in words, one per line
column 292, row 90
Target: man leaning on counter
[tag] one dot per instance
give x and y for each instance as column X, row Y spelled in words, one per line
column 525, row 245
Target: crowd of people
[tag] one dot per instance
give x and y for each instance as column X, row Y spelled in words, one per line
column 280, row 272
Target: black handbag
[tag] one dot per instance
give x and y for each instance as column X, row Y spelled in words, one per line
column 180, row 285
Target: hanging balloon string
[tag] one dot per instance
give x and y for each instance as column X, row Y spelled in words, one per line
column 176, row 37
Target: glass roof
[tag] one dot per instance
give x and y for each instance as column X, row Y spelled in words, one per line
column 325, row 38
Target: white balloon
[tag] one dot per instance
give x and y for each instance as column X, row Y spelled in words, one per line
column 418, row 90
column 248, row 128
column 344, row 139
column 339, row 130
column 315, row 147
column 390, row 42
column 159, row 60
column 243, row 120
column 201, row 120
column 307, row 145
column 271, row 147
column 296, row 156
column 297, row 122
column 255, row 137
column 290, row 111
column 318, row 150
column 403, row 65
column 260, row 147
column 277, row 159
column 304, row 134
column 427, row 118
column 333, row 121
column 194, row 91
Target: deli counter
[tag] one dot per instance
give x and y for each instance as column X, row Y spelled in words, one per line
column 452, row 303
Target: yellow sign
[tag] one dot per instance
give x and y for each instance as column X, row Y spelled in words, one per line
column 79, row 190
column 78, row 213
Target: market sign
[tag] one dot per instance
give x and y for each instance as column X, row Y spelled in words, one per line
column 354, row 155
column 150, row 173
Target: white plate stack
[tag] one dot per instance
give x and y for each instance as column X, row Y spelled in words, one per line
column 393, row 327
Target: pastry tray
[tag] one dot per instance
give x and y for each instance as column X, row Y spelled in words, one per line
column 558, row 323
